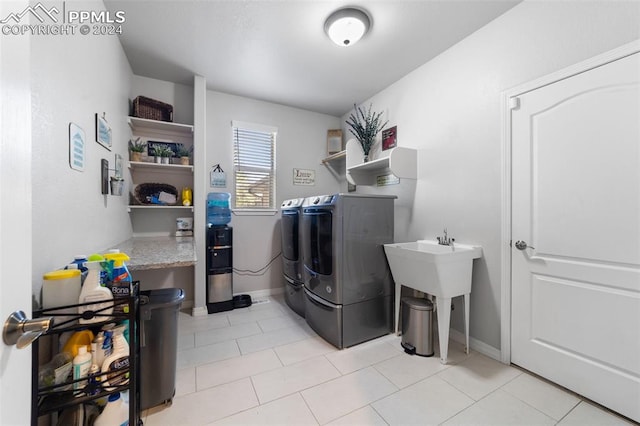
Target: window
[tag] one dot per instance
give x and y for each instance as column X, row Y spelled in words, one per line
column 254, row 166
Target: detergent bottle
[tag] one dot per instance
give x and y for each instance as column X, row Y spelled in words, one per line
column 120, row 280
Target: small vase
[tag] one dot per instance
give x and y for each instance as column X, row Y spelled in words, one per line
column 184, row 161
column 158, row 160
column 366, row 158
column 136, row 156
column 165, row 160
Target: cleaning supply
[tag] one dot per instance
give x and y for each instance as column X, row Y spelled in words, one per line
column 56, row 371
column 116, row 362
column 61, row 288
column 97, row 346
column 81, row 366
column 77, row 340
column 119, row 281
column 115, row 413
column 93, row 292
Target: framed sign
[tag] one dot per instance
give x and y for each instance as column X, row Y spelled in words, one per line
column 389, row 138
column 334, row 141
column 77, row 147
column 103, row 131
column 304, row 177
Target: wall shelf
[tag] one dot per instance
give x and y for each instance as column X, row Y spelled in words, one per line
column 144, row 125
column 401, row 162
column 140, row 165
column 335, row 158
column 158, row 207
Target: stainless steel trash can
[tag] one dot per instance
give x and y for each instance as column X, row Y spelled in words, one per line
column 417, row 326
column 158, row 345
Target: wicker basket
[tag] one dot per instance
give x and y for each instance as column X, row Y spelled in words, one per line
column 151, row 109
column 144, row 190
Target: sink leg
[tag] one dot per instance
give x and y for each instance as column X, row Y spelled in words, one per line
column 443, row 306
column 467, row 302
column 397, row 310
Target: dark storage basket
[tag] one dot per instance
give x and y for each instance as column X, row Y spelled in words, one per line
column 143, row 190
column 151, row 109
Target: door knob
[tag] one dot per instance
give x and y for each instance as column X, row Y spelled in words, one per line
column 20, row 331
column 522, row 245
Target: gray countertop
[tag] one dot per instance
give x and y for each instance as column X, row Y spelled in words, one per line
column 159, row 252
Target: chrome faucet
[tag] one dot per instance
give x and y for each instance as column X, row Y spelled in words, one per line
column 445, row 241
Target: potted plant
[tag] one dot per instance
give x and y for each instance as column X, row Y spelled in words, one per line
column 365, row 127
column 163, row 153
column 136, row 148
column 184, row 153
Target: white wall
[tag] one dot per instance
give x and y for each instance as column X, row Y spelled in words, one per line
column 301, row 143
column 73, row 78
column 180, row 96
column 449, row 109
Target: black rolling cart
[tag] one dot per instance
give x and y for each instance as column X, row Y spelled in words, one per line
column 57, row 397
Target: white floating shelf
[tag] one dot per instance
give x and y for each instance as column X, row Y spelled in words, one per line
column 160, row 167
column 400, row 161
column 142, row 124
column 158, row 207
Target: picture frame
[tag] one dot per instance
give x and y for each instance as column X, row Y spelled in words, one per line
column 103, row 131
column 334, row 141
column 389, row 138
column 151, row 147
column 77, row 147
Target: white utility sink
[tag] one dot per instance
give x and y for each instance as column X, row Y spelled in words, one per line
column 438, row 270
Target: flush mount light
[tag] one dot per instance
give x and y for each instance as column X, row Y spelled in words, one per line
column 346, row 26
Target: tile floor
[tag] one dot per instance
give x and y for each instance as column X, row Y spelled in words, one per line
column 263, row 365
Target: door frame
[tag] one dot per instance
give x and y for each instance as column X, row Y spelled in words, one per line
column 509, row 102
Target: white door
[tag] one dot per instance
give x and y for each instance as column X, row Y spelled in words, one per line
column 576, row 203
column 15, row 216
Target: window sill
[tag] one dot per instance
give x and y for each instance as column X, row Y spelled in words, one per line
column 256, row 212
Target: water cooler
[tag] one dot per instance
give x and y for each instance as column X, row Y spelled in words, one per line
column 219, row 268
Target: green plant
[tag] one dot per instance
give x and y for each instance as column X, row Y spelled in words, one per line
column 183, row 151
column 163, row 151
column 365, row 127
column 136, row 145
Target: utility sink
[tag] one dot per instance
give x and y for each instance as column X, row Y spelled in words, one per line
column 438, row 270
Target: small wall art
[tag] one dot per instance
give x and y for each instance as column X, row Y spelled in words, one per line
column 389, row 138
column 152, row 145
column 77, row 147
column 334, row 141
column 103, row 131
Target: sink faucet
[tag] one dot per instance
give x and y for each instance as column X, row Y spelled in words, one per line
column 445, row 241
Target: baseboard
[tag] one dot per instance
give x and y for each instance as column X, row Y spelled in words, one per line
column 199, row 311
column 476, row 345
column 261, row 294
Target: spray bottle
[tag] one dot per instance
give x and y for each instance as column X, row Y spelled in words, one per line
column 93, row 292
column 116, row 362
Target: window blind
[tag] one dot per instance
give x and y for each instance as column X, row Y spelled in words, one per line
column 254, row 167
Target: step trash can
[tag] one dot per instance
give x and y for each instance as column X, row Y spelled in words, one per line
column 158, row 345
column 417, row 326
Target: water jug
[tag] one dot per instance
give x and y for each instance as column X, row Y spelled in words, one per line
column 218, row 210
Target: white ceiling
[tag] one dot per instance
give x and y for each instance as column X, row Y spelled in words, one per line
column 277, row 51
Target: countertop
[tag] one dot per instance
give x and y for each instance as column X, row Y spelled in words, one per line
column 158, row 252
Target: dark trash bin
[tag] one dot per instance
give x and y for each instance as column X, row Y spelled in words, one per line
column 158, row 345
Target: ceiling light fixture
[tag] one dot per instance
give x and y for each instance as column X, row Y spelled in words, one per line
column 346, row 26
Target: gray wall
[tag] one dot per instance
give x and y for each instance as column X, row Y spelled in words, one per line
column 450, row 110
column 301, row 143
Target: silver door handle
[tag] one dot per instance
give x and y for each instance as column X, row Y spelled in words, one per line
column 522, row 245
column 20, row 331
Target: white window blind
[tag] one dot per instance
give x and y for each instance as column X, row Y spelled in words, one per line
column 254, row 148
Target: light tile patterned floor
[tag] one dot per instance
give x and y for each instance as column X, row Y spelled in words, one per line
column 263, row 365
